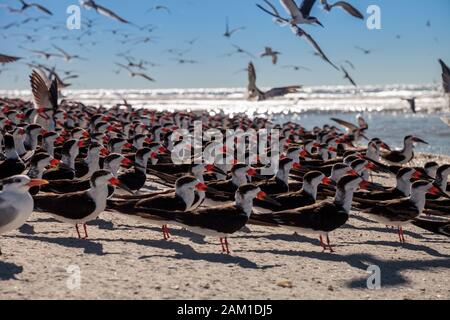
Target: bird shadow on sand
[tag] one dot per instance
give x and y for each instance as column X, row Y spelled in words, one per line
column 403, row 246
column 88, row 246
column 283, row 237
column 186, row 252
column 101, row 224
column 8, row 270
column 390, row 269
column 392, row 231
column 27, row 229
column 196, row 238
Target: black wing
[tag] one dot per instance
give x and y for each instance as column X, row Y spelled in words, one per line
column 72, row 206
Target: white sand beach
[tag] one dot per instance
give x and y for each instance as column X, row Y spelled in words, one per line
column 125, row 259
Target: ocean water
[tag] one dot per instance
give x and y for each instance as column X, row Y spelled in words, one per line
column 388, row 115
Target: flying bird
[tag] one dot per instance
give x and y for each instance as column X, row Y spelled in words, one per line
column 445, row 76
column 68, row 57
column 365, row 51
column 228, row 33
column 41, row 8
column 300, row 14
column 159, row 7
column 44, row 54
column 296, row 68
column 343, row 5
column 8, row 59
column 240, row 50
column 412, row 103
column 347, row 76
column 254, row 92
column 268, row 52
column 90, row 4
column 298, row 32
column 135, row 74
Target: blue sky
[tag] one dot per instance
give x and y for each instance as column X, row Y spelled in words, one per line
column 410, row 59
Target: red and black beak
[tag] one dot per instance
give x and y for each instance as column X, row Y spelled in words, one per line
column 435, row 190
column 264, row 197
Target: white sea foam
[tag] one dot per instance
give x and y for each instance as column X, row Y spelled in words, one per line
column 232, row 100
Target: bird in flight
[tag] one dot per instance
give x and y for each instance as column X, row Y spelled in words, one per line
column 445, row 76
column 135, row 74
column 365, row 51
column 296, row 68
column 412, row 103
column 300, row 14
column 253, row 92
column 8, row 59
column 184, row 61
column 44, row 54
column 347, row 76
column 90, row 4
column 39, row 7
column 240, row 50
column 159, row 7
column 68, row 57
column 228, row 33
column 268, row 52
column 343, row 5
column 297, row 31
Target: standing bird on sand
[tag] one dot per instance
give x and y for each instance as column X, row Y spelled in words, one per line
column 254, row 92
column 78, row 207
column 16, row 203
column 405, row 155
column 268, row 52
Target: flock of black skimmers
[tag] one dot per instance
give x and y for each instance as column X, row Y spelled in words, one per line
column 75, row 161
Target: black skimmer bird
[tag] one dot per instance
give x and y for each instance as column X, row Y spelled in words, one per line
column 299, row 32
column 401, row 212
column 255, row 92
column 268, row 52
column 441, row 180
column 412, row 103
column 185, row 197
column 16, row 203
column 436, row 226
column 90, row 4
column 445, row 76
column 348, row 77
column 304, row 197
column 300, row 14
column 405, row 155
column 26, row 6
column 78, row 207
column 8, row 59
column 344, row 6
column 229, row 32
column 320, row 218
column 38, row 163
column 13, row 164
column 134, row 178
column 219, row 221
column 401, row 190
column 66, row 168
column 279, row 183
